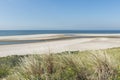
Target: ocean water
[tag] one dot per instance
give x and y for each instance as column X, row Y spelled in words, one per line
column 29, row 32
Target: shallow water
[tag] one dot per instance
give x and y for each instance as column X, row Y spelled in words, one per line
column 30, row 32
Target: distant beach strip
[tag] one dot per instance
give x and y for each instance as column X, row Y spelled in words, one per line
column 22, row 39
column 54, row 43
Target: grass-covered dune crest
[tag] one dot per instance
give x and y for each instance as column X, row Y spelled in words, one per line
column 75, row 65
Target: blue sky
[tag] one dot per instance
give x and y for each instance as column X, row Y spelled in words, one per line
column 59, row 14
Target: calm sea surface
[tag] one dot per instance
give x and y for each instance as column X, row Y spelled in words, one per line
column 29, row 32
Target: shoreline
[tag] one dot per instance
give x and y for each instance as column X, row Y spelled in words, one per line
column 59, row 43
column 55, row 36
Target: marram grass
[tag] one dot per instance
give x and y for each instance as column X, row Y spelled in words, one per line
column 87, row 65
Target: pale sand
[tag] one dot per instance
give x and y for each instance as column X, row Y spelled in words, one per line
column 31, row 37
column 57, row 45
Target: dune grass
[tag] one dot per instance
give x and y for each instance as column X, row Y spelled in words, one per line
column 74, row 65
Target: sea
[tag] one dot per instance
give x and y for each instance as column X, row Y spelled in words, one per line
column 31, row 32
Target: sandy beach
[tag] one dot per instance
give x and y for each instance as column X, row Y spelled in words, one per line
column 53, row 43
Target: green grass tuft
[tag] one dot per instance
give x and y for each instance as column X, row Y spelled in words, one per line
column 73, row 65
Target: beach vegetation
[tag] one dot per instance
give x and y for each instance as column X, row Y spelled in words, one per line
column 69, row 65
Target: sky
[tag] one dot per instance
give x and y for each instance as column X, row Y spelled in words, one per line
column 59, row 14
